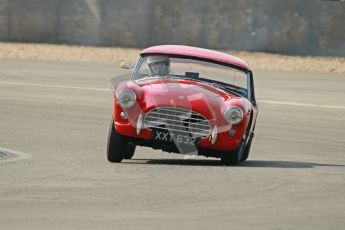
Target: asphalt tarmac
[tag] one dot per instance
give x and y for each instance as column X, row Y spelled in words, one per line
column 54, row 120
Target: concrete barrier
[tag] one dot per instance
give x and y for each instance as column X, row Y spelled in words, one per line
column 308, row 27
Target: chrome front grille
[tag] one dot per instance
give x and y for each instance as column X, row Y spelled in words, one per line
column 178, row 120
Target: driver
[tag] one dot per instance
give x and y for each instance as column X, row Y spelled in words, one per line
column 159, row 65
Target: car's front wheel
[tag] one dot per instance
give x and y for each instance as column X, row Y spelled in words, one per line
column 129, row 153
column 247, row 149
column 118, row 147
column 234, row 157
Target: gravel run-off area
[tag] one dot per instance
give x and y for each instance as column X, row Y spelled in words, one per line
column 89, row 54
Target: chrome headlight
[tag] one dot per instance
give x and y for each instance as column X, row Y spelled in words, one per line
column 234, row 115
column 126, row 99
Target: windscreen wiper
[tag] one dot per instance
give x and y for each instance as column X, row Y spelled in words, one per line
column 234, row 89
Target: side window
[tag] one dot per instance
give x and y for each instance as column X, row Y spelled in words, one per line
column 142, row 71
column 239, row 79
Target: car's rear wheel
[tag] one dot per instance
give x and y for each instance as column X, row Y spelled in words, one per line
column 118, row 147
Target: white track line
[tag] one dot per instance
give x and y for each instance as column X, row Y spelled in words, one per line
column 107, row 90
column 18, row 155
column 54, row 86
column 302, row 104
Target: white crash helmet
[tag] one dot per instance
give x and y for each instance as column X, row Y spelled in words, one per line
column 159, row 65
column 157, row 59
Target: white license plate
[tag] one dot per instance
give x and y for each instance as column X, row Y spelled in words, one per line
column 172, row 137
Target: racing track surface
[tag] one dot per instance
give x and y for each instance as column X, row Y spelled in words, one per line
column 57, row 116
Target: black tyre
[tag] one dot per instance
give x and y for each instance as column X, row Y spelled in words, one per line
column 250, row 136
column 129, row 153
column 247, row 149
column 234, row 157
column 118, row 147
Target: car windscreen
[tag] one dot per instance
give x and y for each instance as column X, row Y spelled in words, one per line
column 217, row 75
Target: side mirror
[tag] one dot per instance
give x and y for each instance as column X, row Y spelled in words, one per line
column 126, row 65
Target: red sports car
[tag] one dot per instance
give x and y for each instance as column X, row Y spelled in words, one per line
column 185, row 100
